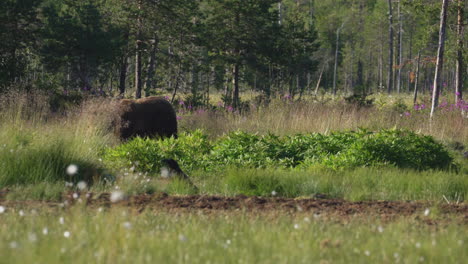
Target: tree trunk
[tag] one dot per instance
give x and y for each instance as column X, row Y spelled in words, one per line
column 410, row 57
column 336, row 57
column 319, row 80
column 138, row 84
column 151, row 66
column 227, row 93
column 235, row 80
column 416, row 79
column 460, row 67
column 400, row 47
column 123, row 68
column 123, row 75
column 381, row 67
column 176, row 83
column 390, row 48
column 440, row 57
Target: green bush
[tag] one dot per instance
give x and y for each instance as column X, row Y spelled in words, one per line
column 403, row 149
column 146, row 154
column 398, row 148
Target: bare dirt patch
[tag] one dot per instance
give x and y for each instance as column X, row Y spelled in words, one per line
column 339, row 207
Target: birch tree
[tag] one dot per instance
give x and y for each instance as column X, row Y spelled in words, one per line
column 440, row 57
column 390, row 48
column 460, row 67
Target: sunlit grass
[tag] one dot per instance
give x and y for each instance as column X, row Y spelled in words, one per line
column 119, row 235
column 356, row 185
column 326, row 115
column 36, row 147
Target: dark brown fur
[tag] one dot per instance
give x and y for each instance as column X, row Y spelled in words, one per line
column 147, row 117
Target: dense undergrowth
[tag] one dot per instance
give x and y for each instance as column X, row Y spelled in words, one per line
column 339, row 150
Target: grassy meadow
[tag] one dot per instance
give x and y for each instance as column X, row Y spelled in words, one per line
column 119, row 235
column 37, row 148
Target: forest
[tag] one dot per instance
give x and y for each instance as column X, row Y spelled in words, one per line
column 136, row 48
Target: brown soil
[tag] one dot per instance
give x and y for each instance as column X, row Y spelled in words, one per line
column 162, row 201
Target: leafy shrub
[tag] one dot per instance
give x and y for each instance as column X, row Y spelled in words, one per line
column 399, row 148
column 244, row 149
column 146, row 154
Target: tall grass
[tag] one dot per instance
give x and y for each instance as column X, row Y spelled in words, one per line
column 121, row 236
column 285, row 117
column 356, row 185
column 37, row 146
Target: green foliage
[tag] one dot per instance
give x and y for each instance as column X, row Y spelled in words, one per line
column 49, row 191
column 403, row 149
column 398, row 148
column 369, row 183
column 30, row 159
column 146, row 154
column 33, row 152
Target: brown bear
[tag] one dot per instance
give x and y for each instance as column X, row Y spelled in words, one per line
column 147, row 117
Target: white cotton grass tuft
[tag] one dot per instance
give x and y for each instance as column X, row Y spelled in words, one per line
column 274, row 193
column 116, row 196
column 62, row 220
column 127, row 225
column 72, row 169
column 45, row 231
column 67, row 234
column 2, row 209
column 165, row 173
column 32, row 237
column 427, row 212
column 13, row 244
column 82, row 185
column 182, row 238
column 380, row 229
